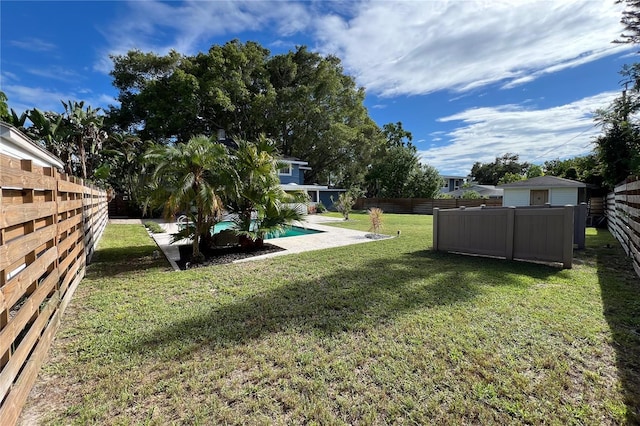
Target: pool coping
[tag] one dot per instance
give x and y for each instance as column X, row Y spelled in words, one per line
column 330, row 237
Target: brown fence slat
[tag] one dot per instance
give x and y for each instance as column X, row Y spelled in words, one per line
column 19, row 213
column 15, row 288
column 20, row 247
column 17, row 178
column 15, row 327
column 623, row 218
column 43, row 216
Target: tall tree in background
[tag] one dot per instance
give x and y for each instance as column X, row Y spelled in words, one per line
column 584, row 169
column 82, row 129
column 491, row 173
column 319, row 116
column 302, row 100
column 4, row 107
column 396, row 171
column 618, row 148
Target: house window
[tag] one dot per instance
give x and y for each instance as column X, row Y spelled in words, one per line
column 286, row 170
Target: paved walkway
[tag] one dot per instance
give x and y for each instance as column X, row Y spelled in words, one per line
column 331, row 237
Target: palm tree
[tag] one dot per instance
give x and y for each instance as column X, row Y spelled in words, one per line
column 84, row 132
column 257, row 199
column 123, row 157
column 190, row 178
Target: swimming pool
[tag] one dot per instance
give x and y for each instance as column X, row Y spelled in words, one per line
column 292, row 231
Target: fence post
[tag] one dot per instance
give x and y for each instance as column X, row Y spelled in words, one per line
column 567, row 240
column 580, row 223
column 436, row 210
column 511, row 224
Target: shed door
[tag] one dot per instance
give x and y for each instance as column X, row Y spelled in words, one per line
column 539, row 197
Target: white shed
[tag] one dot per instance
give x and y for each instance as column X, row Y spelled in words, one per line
column 16, row 144
column 542, row 190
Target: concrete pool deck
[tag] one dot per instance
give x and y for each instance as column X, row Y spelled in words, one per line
column 331, row 237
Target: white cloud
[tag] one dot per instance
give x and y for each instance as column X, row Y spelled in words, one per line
column 393, row 48
column 49, row 100
column 413, row 47
column 56, row 73
column 159, row 26
column 537, row 135
column 33, row 44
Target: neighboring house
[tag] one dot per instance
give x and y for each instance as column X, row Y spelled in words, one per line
column 16, row 144
column 452, row 183
column 292, row 179
column 542, row 190
column 485, row 191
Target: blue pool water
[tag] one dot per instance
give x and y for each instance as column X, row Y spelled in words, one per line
column 292, row 231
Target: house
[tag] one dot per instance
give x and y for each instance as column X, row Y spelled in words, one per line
column 292, row 179
column 542, row 190
column 452, row 183
column 16, row 144
column 485, row 191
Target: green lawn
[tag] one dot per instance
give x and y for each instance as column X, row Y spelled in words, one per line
column 377, row 333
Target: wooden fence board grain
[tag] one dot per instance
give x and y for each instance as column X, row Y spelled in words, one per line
column 623, row 218
column 19, row 213
column 15, row 288
column 49, row 225
column 20, row 247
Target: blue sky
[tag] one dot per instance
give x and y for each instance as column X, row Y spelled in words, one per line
column 471, row 80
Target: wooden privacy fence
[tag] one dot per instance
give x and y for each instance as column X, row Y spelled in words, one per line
column 49, row 226
column 623, row 218
column 543, row 234
column 421, row 205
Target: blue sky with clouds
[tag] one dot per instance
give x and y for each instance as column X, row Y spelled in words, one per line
column 471, row 80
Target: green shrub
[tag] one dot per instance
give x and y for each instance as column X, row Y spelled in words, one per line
column 154, row 227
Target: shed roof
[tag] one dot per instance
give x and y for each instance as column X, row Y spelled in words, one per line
column 545, row 182
column 484, row 190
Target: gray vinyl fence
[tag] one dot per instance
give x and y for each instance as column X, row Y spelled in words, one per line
column 421, row 205
column 542, row 234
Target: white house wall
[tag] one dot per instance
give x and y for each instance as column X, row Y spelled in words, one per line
column 13, row 143
column 563, row 196
column 515, row 197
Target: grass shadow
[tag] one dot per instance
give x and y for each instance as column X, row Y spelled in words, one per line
column 344, row 300
column 620, row 291
column 128, row 252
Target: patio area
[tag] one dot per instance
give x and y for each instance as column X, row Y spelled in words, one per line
column 330, row 237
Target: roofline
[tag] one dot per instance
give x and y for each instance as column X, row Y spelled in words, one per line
column 290, row 187
column 287, row 160
column 27, row 144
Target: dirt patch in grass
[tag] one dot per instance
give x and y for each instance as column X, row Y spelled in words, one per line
column 222, row 255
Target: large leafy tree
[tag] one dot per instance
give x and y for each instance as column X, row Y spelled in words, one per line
column 618, row 148
column 319, row 116
column 124, row 161
column 302, row 100
column 424, row 182
column 190, row 178
column 584, row 169
column 492, row 173
column 396, row 171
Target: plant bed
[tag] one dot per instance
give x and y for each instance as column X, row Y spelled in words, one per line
column 221, row 255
